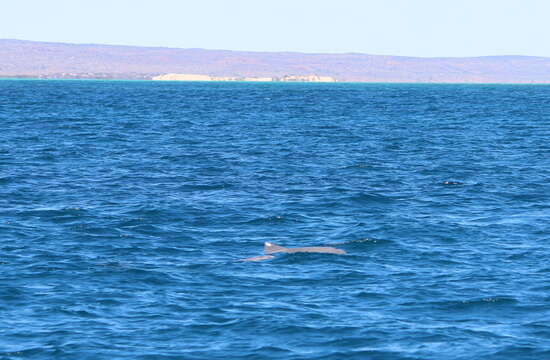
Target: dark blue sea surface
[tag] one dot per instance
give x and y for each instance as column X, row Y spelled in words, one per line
column 126, row 206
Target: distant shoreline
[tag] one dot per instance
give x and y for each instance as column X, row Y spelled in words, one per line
column 32, row 59
column 272, row 82
column 286, row 78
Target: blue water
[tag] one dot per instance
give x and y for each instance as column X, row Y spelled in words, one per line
column 125, row 207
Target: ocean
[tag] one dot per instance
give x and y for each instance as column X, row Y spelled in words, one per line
column 125, row 207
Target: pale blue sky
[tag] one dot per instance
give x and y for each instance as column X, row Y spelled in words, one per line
column 393, row 27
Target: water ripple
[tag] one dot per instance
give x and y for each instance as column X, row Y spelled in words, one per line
column 125, row 207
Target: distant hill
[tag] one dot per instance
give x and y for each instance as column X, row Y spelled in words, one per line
column 19, row 58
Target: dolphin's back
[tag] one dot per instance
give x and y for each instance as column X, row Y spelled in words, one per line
column 316, row 249
column 270, row 248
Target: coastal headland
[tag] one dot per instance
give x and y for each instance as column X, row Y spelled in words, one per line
column 43, row 60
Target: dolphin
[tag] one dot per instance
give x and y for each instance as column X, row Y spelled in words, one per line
column 270, row 248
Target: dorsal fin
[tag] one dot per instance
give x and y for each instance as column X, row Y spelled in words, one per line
column 270, row 248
